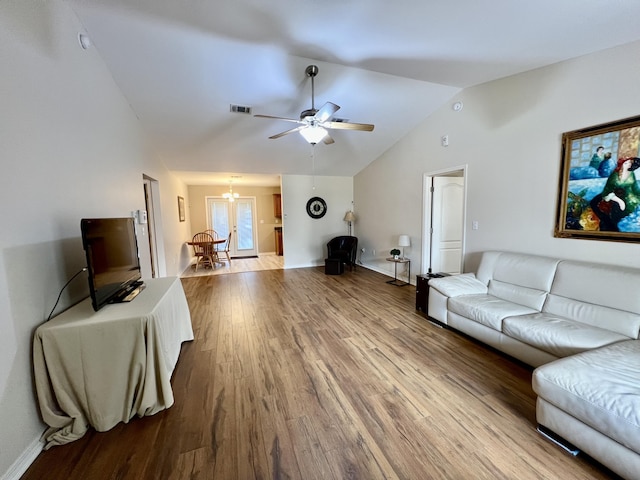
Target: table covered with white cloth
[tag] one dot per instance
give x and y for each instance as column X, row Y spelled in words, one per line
column 96, row 369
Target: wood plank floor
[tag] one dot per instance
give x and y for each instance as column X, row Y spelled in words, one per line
column 294, row 374
column 237, row 265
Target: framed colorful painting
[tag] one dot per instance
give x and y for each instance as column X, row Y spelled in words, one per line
column 599, row 194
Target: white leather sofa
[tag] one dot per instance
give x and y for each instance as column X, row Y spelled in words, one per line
column 579, row 323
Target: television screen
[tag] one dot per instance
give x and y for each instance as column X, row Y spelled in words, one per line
column 112, row 259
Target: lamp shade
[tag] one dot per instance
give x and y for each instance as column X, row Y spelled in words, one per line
column 404, row 241
column 313, row 134
column 349, row 216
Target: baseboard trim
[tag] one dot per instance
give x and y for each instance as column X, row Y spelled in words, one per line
column 24, row 461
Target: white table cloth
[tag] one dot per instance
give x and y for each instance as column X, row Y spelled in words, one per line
column 101, row 368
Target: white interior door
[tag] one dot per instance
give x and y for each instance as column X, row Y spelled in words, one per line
column 443, row 237
column 448, row 198
column 153, row 229
column 237, row 217
column 150, row 227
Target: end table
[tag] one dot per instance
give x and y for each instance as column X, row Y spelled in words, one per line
column 396, row 261
column 422, row 290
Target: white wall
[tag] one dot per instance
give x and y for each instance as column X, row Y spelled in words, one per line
column 70, row 148
column 305, row 238
column 509, row 134
column 388, row 203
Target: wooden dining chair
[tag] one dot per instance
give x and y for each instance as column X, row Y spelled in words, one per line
column 213, row 233
column 224, row 248
column 203, row 249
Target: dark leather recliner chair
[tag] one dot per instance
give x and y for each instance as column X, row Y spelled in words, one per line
column 343, row 248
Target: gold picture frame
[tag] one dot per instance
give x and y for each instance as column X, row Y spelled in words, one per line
column 181, row 216
column 599, row 195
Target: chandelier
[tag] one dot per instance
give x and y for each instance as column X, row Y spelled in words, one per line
column 230, row 195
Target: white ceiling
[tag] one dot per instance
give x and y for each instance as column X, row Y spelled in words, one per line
column 181, row 63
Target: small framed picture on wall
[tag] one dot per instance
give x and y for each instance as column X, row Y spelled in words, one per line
column 181, row 209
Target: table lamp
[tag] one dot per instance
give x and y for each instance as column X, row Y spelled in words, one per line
column 404, row 241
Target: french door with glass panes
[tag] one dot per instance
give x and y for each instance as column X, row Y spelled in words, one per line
column 237, row 217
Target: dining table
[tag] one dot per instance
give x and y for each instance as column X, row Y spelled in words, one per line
column 209, row 246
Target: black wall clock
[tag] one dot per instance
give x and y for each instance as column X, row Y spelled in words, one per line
column 316, row 207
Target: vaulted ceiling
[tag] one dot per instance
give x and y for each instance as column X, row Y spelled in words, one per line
column 182, row 63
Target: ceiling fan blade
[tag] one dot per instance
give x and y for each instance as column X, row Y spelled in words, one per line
column 327, row 140
column 282, row 134
column 279, row 118
column 364, row 127
column 326, row 112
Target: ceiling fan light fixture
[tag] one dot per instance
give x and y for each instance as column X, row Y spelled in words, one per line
column 313, row 134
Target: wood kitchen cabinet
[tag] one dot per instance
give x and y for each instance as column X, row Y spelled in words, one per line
column 277, row 205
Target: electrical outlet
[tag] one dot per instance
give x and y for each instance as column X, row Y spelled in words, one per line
column 362, row 250
column 373, row 252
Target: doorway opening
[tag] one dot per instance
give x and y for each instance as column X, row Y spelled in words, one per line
column 150, row 200
column 239, row 219
column 444, row 199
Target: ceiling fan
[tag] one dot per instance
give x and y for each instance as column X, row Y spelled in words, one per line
column 313, row 124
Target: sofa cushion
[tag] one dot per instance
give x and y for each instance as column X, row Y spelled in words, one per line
column 600, row 295
column 619, row 321
column 600, row 388
column 529, row 297
column 558, row 336
column 486, row 309
column 522, row 269
column 455, row 285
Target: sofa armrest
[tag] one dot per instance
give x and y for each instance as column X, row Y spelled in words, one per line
column 456, row 285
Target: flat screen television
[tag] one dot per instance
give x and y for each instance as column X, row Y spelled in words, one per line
column 112, row 260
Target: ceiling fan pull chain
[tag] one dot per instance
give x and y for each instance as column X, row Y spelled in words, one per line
column 313, row 166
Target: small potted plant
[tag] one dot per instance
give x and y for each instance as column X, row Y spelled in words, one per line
column 395, row 253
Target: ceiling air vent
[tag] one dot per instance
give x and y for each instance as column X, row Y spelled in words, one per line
column 240, row 109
